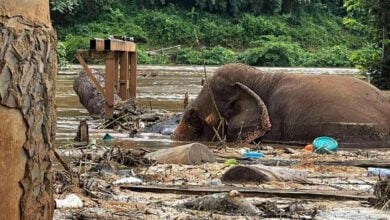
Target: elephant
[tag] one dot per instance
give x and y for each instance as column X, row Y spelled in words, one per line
column 241, row 103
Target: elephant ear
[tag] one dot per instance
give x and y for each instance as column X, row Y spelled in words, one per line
column 248, row 118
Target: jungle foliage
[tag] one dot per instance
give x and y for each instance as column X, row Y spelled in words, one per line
column 257, row 32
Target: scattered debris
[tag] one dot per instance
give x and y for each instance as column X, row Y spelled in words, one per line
column 382, row 193
column 381, row 172
column 128, row 180
column 194, row 153
column 70, row 201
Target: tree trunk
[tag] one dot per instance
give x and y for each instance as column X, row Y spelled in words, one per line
column 28, row 68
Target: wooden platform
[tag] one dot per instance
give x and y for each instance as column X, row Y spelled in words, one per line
column 120, row 68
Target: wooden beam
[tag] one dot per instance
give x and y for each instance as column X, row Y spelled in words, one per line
column 94, row 80
column 124, row 76
column 109, row 84
column 119, row 45
column 336, row 195
column 96, row 44
column 93, row 54
column 133, row 75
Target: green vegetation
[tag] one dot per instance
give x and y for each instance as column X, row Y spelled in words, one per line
column 269, row 33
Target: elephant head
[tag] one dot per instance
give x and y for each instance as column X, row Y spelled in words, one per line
column 225, row 108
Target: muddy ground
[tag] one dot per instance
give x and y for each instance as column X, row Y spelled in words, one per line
column 337, row 187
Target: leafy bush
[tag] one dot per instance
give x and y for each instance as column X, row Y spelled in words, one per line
column 256, row 26
column 166, row 29
column 217, row 32
column 214, row 56
column 189, row 56
column 219, row 55
column 366, row 57
column 61, row 53
column 273, row 51
column 72, row 44
column 336, row 56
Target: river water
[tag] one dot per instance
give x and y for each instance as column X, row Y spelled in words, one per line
column 158, row 87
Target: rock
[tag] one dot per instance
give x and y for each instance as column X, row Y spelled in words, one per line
column 215, row 182
column 260, row 174
column 165, row 127
column 189, row 154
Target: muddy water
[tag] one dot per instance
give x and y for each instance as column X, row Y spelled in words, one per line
column 158, row 87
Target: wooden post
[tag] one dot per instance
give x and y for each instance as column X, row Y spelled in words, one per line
column 124, row 76
column 116, row 74
column 109, row 84
column 133, row 74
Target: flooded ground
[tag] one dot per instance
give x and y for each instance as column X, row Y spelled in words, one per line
column 156, row 89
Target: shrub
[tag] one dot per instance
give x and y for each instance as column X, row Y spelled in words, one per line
column 272, row 51
column 219, row 55
column 336, row 56
column 189, row 56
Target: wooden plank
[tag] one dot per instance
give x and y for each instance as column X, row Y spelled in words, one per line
column 336, row 195
column 124, row 76
column 133, row 75
column 109, row 84
column 94, row 80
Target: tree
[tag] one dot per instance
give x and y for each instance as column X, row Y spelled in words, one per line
column 28, row 67
column 372, row 18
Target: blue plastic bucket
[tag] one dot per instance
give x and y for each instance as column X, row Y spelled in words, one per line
column 323, row 145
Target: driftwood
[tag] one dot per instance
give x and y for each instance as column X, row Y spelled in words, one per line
column 194, row 153
column 82, row 134
column 335, row 195
column 260, row 174
column 89, row 94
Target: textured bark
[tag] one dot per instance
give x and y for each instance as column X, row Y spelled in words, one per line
column 28, row 68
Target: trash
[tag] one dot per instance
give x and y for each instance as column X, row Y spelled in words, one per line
column 309, row 147
column 322, row 145
column 189, row 154
column 108, row 137
column 70, row 201
column 231, row 162
column 124, row 172
column 92, row 144
column 131, row 180
column 381, row 172
column 215, row 182
column 253, row 154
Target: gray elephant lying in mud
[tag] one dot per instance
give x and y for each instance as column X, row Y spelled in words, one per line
column 286, row 108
